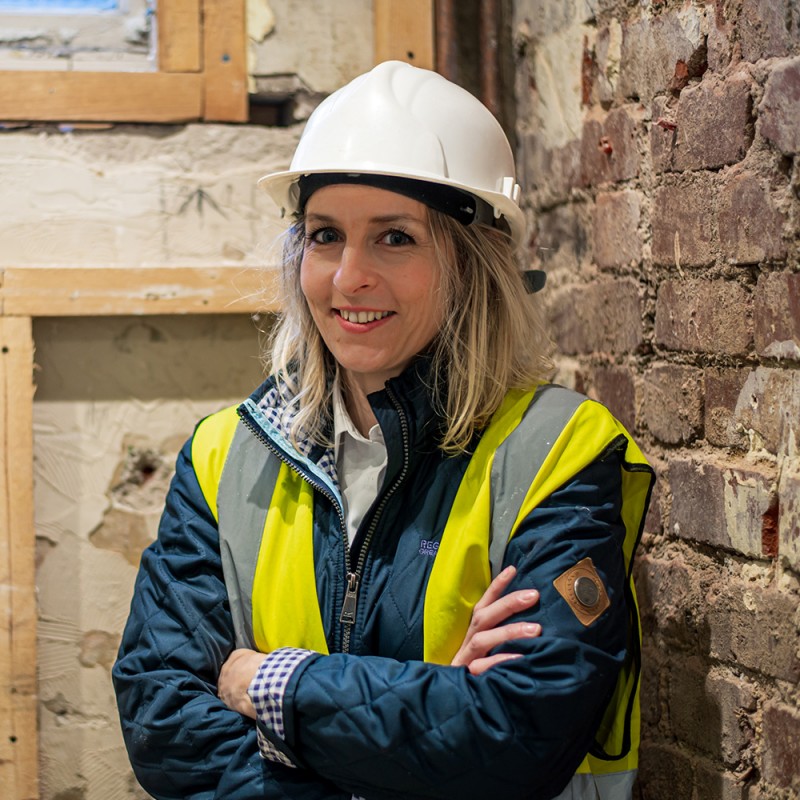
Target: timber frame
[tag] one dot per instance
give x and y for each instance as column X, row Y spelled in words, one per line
column 202, row 75
column 193, row 33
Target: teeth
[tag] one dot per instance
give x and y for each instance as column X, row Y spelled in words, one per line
column 363, row 317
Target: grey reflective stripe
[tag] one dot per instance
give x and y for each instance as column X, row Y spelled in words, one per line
column 550, row 410
column 243, row 497
column 613, row 786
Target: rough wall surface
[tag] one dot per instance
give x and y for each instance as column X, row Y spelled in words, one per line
column 117, row 397
column 659, row 145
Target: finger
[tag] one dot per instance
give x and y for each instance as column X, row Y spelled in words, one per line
column 482, row 643
column 492, row 615
column 480, row 665
column 496, row 588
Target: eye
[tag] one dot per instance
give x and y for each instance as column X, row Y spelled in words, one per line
column 397, row 238
column 323, row 236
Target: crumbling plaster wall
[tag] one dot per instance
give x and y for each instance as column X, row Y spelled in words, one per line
column 659, row 146
column 116, row 397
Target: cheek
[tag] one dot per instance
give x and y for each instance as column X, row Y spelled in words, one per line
column 309, row 281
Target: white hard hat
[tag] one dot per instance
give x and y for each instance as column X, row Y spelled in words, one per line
column 409, row 123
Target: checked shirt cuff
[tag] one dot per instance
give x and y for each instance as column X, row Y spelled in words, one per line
column 266, row 690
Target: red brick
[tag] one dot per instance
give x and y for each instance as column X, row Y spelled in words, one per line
column 682, row 224
column 704, row 316
column 708, row 709
column 652, row 709
column 750, row 227
column 552, row 172
column 763, row 31
column 714, row 123
column 654, row 521
column 779, row 111
column 723, row 387
column 561, row 240
column 753, row 627
column 663, row 134
column 769, row 407
column 614, row 388
column 617, row 242
column 609, row 149
column 668, row 592
column 781, row 745
column 653, row 48
column 713, row 783
column 789, row 513
column 776, row 313
column 673, row 402
column 665, row 773
column 602, row 317
column 720, row 30
column 720, row 505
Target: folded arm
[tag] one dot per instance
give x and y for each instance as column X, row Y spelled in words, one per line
column 384, row 729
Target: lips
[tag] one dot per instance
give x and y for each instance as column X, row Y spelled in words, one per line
column 363, row 317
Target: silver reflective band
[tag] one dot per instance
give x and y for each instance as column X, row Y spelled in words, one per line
column 614, row 786
column 243, row 497
column 550, row 410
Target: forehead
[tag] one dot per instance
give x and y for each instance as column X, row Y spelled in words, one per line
column 356, row 200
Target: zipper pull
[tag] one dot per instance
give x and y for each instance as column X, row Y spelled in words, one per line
column 348, row 615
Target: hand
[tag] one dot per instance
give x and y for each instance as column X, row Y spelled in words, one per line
column 235, row 676
column 485, row 631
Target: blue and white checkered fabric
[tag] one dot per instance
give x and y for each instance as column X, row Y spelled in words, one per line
column 271, row 405
column 266, row 690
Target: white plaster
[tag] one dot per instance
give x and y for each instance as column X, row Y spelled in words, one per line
column 127, row 199
column 336, row 42
column 746, row 499
column 260, row 20
column 786, row 349
column 557, row 73
column 692, row 19
column 105, row 385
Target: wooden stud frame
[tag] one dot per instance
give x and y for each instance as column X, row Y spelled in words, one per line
column 202, row 74
column 181, row 91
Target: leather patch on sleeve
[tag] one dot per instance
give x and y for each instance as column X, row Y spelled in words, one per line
column 583, row 590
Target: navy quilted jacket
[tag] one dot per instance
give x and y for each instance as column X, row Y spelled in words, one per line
column 378, row 721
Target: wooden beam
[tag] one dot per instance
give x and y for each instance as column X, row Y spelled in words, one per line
column 404, row 31
column 101, row 96
column 18, row 734
column 86, row 291
column 178, row 32
column 225, row 60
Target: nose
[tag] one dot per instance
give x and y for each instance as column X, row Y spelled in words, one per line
column 355, row 271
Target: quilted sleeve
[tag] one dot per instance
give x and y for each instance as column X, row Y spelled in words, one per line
column 384, row 729
column 183, row 742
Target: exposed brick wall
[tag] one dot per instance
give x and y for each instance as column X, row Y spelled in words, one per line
column 659, row 144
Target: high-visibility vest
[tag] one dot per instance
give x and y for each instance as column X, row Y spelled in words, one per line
column 264, row 510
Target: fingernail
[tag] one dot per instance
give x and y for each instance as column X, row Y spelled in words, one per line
column 533, row 629
column 530, row 597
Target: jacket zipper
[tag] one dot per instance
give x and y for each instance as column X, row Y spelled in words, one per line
column 320, row 487
column 350, row 604
column 347, row 616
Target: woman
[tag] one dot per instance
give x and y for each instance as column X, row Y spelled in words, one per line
column 317, row 618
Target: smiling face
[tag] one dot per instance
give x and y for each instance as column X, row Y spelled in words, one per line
column 370, row 278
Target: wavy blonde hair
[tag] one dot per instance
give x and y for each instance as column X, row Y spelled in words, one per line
column 492, row 338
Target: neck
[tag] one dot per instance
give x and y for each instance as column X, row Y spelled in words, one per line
column 358, row 407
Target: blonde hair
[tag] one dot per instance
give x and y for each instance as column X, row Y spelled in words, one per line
column 492, row 338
